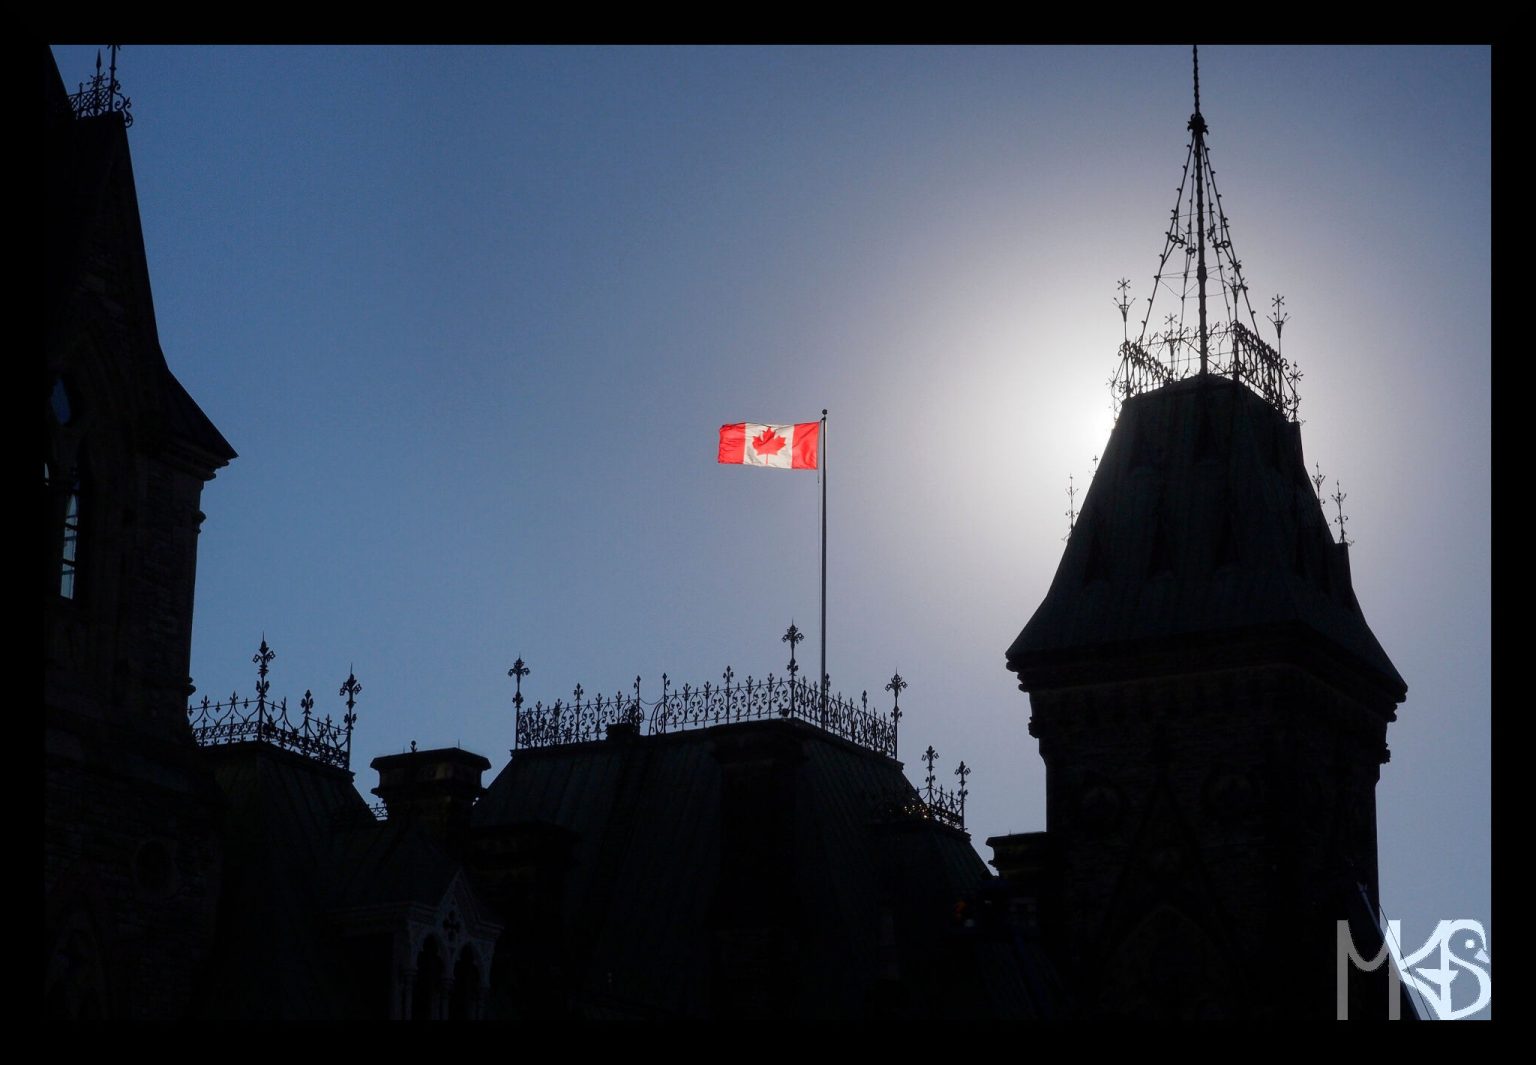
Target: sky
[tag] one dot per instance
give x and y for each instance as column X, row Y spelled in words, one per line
column 473, row 316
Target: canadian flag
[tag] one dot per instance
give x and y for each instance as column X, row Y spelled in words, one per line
column 789, row 447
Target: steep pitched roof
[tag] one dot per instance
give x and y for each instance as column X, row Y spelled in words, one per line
column 1201, row 528
column 96, row 271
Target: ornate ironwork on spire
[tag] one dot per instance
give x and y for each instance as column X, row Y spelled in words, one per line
column 265, row 720
column 1124, row 304
column 1339, row 495
column 1071, row 507
column 103, row 95
column 1197, row 250
column 1278, row 317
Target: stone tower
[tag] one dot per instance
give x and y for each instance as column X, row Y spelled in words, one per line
column 131, row 854
column 1210, row 704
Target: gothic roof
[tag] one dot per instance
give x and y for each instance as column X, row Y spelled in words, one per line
column 1200, row 533
column 97, row 277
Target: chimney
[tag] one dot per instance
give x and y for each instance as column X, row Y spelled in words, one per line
column 434, row 789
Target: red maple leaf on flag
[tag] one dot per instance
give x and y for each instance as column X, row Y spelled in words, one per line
column 768, row 442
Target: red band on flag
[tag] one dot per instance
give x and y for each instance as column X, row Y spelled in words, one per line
column 807, row 441
column 733, row 442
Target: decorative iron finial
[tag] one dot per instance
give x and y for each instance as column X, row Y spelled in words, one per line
column 634, row 715
column 1317, row 482
column 517, row 673
column 1095, row 472
column 413, row 746
column 895, row 686
column 792, row 636
column 1338, row 498
column 1124, row 303
column 962, row 771
column 1278, row 318
column 929, row 757
column 105, row 94
column 263, row 659
column 351, row 689
column 1071, row 507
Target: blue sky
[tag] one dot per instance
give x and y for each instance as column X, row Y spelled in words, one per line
column 472, row 317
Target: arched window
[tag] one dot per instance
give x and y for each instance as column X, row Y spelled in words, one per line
column 464, row 1003
column 61, row 488
column 426, row 997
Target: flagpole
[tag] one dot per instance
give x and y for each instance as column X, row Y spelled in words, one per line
column 822, row 680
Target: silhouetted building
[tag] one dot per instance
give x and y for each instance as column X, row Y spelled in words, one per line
column 131, row 856
column 1212, row 711
column 226, row 869
column 740, row 854
column 1210, row 704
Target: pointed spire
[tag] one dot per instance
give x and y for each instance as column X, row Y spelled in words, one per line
column 1198, row 127
column 1219, row 335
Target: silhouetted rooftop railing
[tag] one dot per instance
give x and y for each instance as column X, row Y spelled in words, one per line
column 266, row 720
column 1235, row 351
column 583, row 719
column 103, row 94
